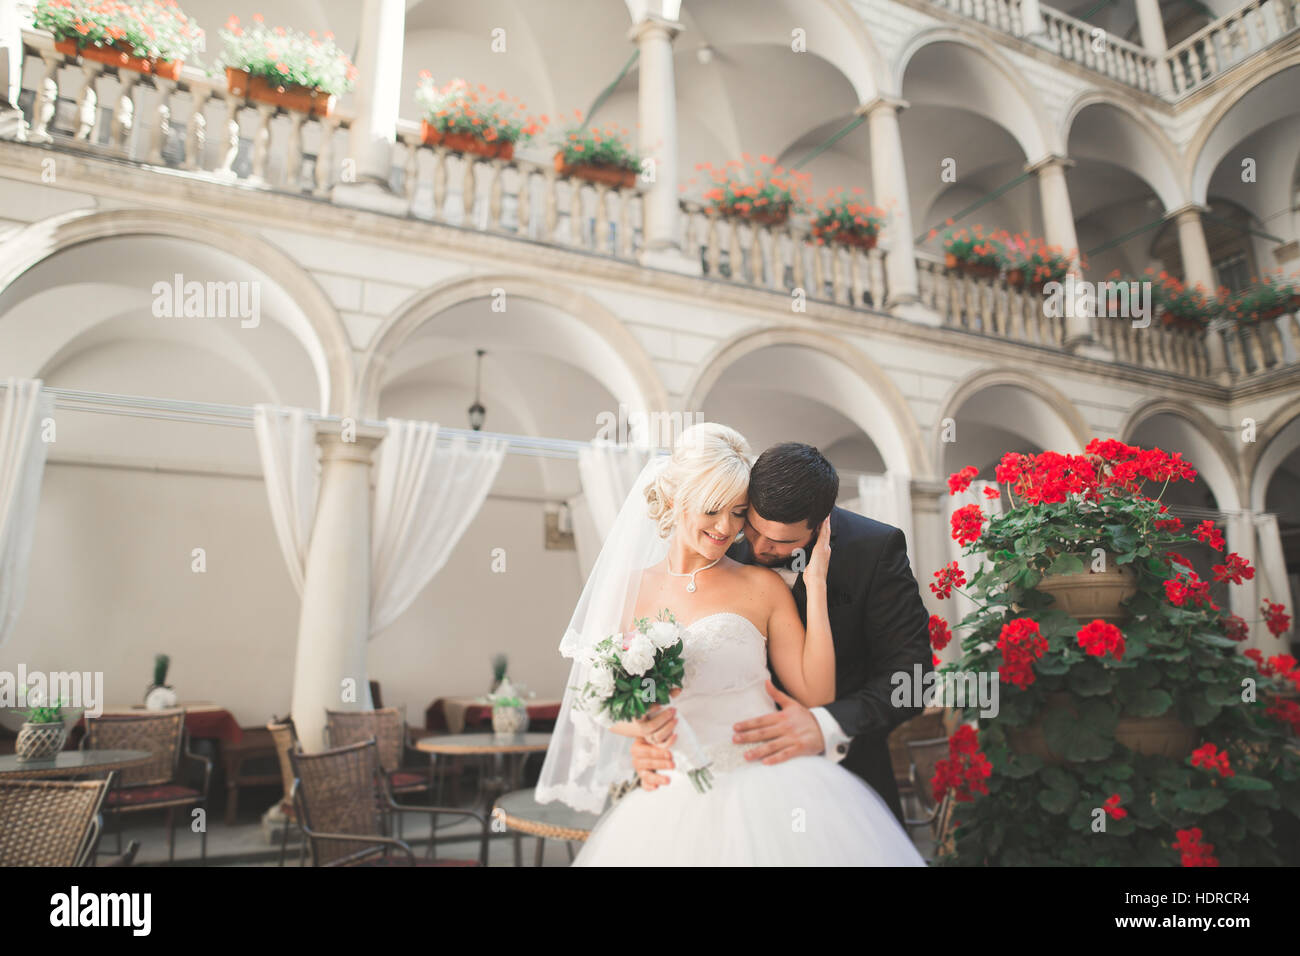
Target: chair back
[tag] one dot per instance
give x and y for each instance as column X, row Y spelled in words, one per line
column 49, row 822
column 386, row 726
column 925, row 755
column 285, row 740
column 335, row 793
column 161, row 732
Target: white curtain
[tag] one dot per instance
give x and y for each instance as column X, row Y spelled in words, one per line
column 22, row 464
column 607, row 472
column 286, row 442
column 1271, row 564
column 888, row 498
column 425, row 498
column 974, row 495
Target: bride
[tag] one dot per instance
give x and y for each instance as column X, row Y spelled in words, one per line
column 667, row 549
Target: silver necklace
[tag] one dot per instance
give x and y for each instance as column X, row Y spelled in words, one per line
column 691, row 574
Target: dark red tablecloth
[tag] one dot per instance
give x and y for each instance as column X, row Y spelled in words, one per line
column 206, row 722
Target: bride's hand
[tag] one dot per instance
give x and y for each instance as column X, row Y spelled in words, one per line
column 655, row 727
column 821, row 554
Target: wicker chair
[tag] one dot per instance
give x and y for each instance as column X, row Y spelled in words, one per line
column 936, row 816
column 286, row 740
column 388, row 729
column 334, row 792
column 156, row 785
column 49, row 822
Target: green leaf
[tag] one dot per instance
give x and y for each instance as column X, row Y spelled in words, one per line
column 1066, row 564
column 1149, row 702
column 1201, row 801
column 1240, row 782
column 1079, row 738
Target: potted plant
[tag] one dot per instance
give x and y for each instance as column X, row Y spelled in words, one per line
column 153, row 37
column 470, row 119
column 159, row 695
column 846, row 220
column 297, row 71
column 973, row 253
column 1030, row 261
column 509, row 712
column 1265, row 298
column 43, row 732
column 499, row 662
column 761, row 192
column 1183, row 307
column 598, row 156
column 1123, row 741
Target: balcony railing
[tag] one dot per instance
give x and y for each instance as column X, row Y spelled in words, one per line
column 1227, row 41
column 1118, row 59
column 195, row 125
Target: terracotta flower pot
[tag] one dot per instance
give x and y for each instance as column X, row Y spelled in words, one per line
column 1164, row 735
column 40, row 741
column 1088, row 595
column 119, row 55
column 759, row 217
column 1184, row 323
column 466, row 143
column 1016, row 278
column 850, row 239
column 976, row 270
column 608, row 175
column 290, row 96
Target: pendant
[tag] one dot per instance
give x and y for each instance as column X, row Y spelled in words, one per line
column 691, row 586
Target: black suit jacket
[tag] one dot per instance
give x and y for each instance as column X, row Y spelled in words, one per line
column 880, row 627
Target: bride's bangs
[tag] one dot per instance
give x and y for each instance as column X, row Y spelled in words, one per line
column 721, row 486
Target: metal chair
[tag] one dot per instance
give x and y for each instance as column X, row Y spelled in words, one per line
column 49, row 822
column 156, row 785
column 937, row 817
column 335, row 795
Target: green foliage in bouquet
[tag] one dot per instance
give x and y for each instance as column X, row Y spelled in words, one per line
column 1227, row 797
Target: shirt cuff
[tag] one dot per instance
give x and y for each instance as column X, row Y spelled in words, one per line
column 836, row 741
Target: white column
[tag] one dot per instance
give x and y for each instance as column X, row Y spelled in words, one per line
column 334, row 624
column 889, row 184
column 1151, row 28
column 376, row 102
column 1058, row 229
column 1032, row 25
column 1191, row 244
column 1243, row 599
column 1271, row 580
column 657, row 111
column 11, row 72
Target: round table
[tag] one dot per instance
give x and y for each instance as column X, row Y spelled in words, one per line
column 522, row 813
column 510, row 750
column 68, row 763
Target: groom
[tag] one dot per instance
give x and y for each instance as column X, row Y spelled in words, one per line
column 878, row 623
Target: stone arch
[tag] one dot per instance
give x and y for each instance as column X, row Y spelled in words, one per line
column 1162, row 174
column 1280, row 437
column 897, row 437
column 646, row 389
column 321, row 331
column 1214, row 461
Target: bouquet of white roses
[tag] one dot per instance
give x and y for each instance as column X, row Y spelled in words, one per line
column 631, row 672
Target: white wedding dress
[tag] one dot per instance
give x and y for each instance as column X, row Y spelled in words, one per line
column 806, row 811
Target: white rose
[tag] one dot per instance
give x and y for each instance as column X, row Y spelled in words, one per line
column 664, row 634
column 639, row 656
column 601, row 679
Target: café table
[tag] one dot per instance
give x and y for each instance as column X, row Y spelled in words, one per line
column 505, row 753
column 72, row 763
column 520, row 812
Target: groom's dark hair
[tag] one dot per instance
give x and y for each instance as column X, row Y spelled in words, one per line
column 793, row 482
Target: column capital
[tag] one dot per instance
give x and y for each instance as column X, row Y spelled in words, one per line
column 652, row 25
column 360, row 450
column 895, row 104
column 1186, row 210
column 1051, row 159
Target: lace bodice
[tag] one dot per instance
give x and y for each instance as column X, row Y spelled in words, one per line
column 725, row 671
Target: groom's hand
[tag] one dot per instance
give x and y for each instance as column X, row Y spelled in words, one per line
column 792, row 731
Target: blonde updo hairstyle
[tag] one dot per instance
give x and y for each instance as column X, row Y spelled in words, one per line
column 709, row 468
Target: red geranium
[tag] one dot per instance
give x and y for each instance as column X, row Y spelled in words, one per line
column 949, row 576
column 1021, row 644
column 1211, row 758
column 1194, row 852
column 1276, row 618
column 1235, row 569
column 967, row 524
column 965, row 770
column 959, row 481
column 1113, row 809
column 940, row 635
column 1101, row 638
column 1209, row 534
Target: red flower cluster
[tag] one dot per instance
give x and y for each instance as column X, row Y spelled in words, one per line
column 1168, row 524
column 1021, row 644
column 1209, row 534
column 959, row 481
column 1236, row 627
column 1236, row 569
column 965, row 770
column 990, row 492
column 1113, row 809
column 1211, row 758
column 1276, row 618
column 1285, row 712
column 1173, row 557
column 940, row 635
column 967, row 524
column 1188, row 589
column 1101, row 638
column 950, row 576
column 1050, row 477
column 1194, row 852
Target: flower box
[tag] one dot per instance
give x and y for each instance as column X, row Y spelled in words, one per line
column 592, row 173
column 850, row 239
column 758, row 217
column 120, row 56
column 976, row 270
column 290, row 96
column 465, row 143
column 1173, row 320
column 1087, row 595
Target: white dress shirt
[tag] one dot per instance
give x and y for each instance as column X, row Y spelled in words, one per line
column 836, row 741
